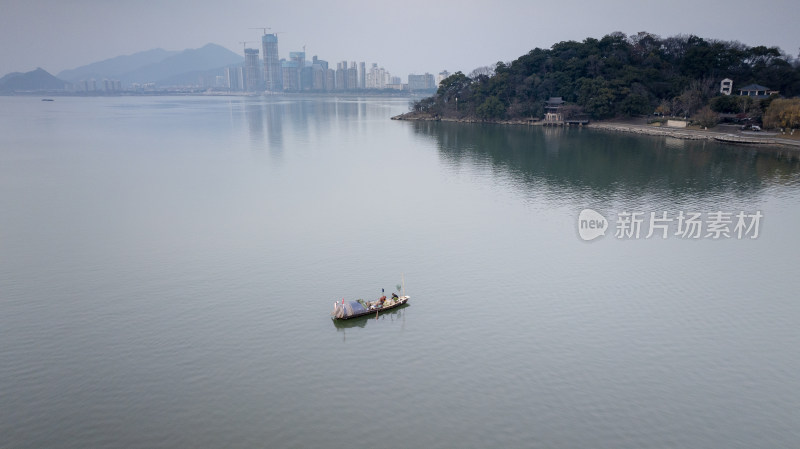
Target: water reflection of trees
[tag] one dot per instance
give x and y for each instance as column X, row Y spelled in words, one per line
column 609, row 162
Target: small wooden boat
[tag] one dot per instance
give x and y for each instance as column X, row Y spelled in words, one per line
column 345, row 310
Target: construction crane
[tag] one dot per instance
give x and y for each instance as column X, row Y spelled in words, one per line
column 262, row 28
column 244, row 44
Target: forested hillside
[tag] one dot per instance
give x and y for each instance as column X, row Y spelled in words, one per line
column 617, row 75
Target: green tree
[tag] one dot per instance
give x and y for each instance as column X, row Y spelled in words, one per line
column 453, row 84
column 451, row 90
column 601, row 103
column 725, row 104
column 596, row 96
column 491, row 109
column 423, row 105
column 636, row 104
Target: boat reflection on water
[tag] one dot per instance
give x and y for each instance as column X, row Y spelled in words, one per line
column 396, row 314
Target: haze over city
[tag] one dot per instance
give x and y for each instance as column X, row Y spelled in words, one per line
column 409, row 37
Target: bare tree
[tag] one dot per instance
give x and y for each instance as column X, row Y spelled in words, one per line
column 572, row 111
column 677, row 107
column 664, row 108
column 783, row 113
column 675, row 45
column 706, row 118
column 644, row 43
column 695, row 96
column 484, row 70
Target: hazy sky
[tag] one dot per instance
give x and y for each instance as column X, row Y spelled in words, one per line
column 412, row 36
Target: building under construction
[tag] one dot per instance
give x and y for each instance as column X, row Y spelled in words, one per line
column 272, row 66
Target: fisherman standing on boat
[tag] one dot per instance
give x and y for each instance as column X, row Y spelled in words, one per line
column 383, row 298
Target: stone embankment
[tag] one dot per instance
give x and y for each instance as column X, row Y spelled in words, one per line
column 696, row 134
column 655, row 131
column 635, row 128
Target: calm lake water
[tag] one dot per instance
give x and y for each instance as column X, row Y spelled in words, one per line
column 168, row 265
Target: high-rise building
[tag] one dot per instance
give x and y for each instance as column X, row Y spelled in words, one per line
column 291, row 75
column 272, row 66
column 362, row 75
column 252, row 79
column 234, row 79
column 421, row 82
column 317, row 77
column 299, row 58
column 307, row 77
column 352, row 76
column 330, row 79
column 341, row 75
column 319, row 72
column 377, row 77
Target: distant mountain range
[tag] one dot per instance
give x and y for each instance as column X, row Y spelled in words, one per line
column 162, row 67
column 155, row 66
column 114, row 68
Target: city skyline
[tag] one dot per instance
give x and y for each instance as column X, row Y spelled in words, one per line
column 416, row 36
column 274, row 74
column 302, row 74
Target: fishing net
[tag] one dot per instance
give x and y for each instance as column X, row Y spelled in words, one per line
column 348, row 309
